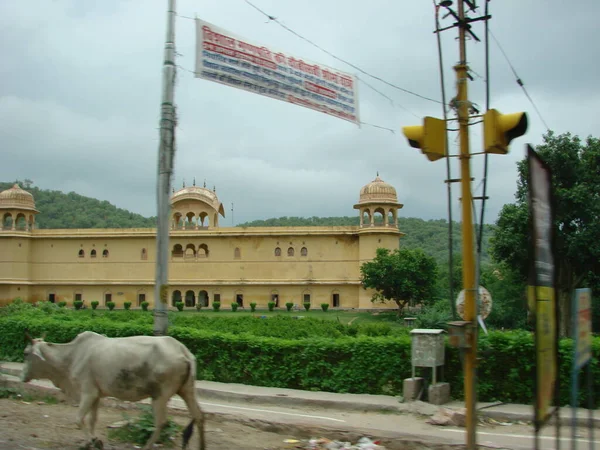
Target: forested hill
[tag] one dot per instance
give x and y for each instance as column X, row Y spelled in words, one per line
column 60, row 210
column 429, row 235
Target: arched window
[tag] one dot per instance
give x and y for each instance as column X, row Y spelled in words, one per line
column 93, row 253
column 21, row 222
column 291, row 251
column 203, row 298
column 202, row 251
column 105, row 253
column 304, row 251
column 177, row 251
column 7, row 222
column 237, row 253
column 190, row 251
column 81, row 253
column 190, row 299
column 144, row 254
column 175, row 297
column 277, row 251
column 378, row 217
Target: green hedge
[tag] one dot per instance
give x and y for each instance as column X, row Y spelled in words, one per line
column 361, row 364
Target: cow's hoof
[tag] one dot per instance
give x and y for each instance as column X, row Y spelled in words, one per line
column 97, row 444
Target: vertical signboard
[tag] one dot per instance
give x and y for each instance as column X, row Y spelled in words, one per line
column 541, row 292
column 582, row 331
column 226, row 58
column 582, row 355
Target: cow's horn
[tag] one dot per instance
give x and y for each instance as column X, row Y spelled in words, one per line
column 44, row 335
column 28, row 336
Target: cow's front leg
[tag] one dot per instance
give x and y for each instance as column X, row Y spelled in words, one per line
column 87, row 401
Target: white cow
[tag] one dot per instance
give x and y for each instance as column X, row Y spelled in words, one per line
column 92, row 366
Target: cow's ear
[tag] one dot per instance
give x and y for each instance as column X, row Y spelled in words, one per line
column 28, row 337
column 37, row 352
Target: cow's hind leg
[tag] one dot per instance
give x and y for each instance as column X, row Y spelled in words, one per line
column 159, row 406
column 189, row 396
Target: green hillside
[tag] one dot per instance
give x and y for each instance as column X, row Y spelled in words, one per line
column 429, row 235
column 60, row 210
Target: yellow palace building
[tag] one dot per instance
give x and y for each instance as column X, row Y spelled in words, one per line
column 207, row 263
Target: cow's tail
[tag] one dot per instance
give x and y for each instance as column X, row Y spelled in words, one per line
column 189, row 430
column 187, row 433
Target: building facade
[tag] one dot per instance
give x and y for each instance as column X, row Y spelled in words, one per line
column 207, row 263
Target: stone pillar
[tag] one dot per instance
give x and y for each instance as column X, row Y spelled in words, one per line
column 411, row 388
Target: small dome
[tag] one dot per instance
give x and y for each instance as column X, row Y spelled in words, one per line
column 17, row 198
column 378, row 191
column 198, row 193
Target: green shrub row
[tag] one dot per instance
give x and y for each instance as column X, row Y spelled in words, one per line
column 362, row 364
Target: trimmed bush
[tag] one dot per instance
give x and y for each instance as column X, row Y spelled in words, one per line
column 271, row 306
column 145, row 306
column 252, row 307
column 329, row 356
column 110, row 305
column 324, row 306
column 306, row 305
column 289, row 306
column 216, row 306
column 77, row 304
column 234, row 306
column 127, row 306
column 179, row 306
column 95, row 304
column 62, row 304
column 198, row 306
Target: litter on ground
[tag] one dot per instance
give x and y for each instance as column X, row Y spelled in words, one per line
column 363, row 443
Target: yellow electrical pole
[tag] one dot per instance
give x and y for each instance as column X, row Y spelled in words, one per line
column 467, row 235
column 430, row 137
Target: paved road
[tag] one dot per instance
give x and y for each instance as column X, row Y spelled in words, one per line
column 310, row 417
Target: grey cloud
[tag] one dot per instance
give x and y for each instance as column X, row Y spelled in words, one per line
column 79, row 102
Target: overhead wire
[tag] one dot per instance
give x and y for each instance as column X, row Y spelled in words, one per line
column 519, row 80
column 407, row 91
column 485, row 158
column 448, row 174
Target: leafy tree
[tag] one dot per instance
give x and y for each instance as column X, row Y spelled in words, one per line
column 575, row 169
column 403, row 276
column 509, row 302
column 60, row 210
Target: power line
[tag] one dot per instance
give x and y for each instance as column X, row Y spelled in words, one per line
column 274, row 19
column 391, row 100
column 519, row 81
column 448, row 171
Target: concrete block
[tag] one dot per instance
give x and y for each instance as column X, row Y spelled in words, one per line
column 411, row 387
column 439, row 393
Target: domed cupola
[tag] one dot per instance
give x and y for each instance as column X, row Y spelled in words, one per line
column 17, row 209
column 195, row 207
column 378, row 204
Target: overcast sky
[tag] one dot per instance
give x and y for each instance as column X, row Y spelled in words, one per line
column 81, row 84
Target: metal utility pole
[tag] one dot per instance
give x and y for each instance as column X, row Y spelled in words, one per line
column 166, row 153
column 470, row 314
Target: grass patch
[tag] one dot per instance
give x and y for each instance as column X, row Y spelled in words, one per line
column 18, row 394
column 139, row 429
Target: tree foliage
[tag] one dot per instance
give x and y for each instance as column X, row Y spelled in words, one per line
column 403, row 276
column 429, row 235
column 60, row 210
column 575, row 169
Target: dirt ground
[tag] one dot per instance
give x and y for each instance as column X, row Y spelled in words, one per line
column 37, row 425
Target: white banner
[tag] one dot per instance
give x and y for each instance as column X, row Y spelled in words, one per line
column 225, row 58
